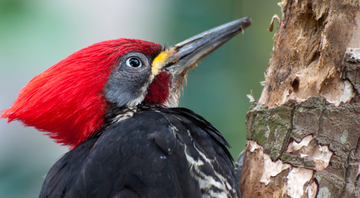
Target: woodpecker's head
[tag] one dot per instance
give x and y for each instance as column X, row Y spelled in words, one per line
column 69, row 100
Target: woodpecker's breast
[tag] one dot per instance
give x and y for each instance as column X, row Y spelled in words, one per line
column 201, row 168
column 155, row 153
column 204, row 156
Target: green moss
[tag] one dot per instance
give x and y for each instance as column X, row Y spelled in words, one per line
column 270, row 128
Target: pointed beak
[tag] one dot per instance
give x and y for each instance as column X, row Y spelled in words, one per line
column 184, row 55
column 187, row 53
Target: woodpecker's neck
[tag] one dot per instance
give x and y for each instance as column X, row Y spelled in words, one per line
column 156, row 92
column 116, row 114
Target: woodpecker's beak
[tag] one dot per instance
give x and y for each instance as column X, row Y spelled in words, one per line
column 184, row 55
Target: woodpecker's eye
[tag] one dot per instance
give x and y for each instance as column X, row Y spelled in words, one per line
column 133, row 62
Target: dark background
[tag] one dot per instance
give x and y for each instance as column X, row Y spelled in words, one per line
column 36, row 34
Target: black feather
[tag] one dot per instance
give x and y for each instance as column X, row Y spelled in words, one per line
column 143, row 156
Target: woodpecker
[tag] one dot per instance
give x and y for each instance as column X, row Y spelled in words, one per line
column 114, row 104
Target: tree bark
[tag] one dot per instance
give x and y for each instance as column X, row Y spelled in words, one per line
column 304, row 131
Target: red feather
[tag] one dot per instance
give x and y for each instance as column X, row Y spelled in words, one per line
column 158, row 90
column 67, row 100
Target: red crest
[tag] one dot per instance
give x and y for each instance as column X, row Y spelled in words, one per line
column 66, row 101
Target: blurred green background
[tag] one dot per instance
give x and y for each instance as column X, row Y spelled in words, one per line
column 35, row 34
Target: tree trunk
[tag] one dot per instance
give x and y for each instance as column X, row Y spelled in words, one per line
column 304, row 132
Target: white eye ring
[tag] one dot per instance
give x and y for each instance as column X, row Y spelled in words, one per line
column 134, row 62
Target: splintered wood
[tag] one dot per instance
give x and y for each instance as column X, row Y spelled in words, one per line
column 304, row 131
column 308, row 52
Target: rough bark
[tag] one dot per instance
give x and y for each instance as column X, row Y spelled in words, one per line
column 304, row 132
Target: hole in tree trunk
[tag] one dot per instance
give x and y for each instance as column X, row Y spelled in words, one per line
column 295, row 84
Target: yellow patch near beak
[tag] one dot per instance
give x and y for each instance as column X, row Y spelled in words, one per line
column 159, row 61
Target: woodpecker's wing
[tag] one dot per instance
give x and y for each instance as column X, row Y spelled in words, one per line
column 157, row 153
